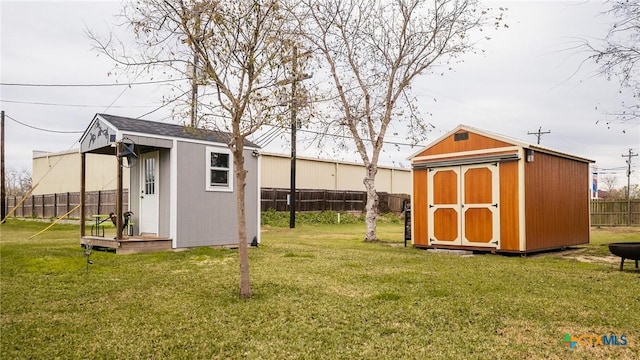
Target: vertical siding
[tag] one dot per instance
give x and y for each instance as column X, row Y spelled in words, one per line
column 419, row 208
column 350, row 177
column 556, row 202
column 400, row 181
column 252, row 200
column 309, row 174
column 60, row 172
column 330, row 175
column 312, row 173
column 276, row 171
column 208, row 217
column 164, row 191
column 384, row 180
column 509, row 206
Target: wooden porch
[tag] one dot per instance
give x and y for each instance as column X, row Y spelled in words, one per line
column 98, row 140
column 128, row 244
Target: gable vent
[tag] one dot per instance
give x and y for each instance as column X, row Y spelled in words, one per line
column 461, row 136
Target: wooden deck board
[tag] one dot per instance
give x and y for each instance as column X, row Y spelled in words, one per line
column 129, row 245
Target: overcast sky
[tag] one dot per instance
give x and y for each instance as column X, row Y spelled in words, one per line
column 527, row 78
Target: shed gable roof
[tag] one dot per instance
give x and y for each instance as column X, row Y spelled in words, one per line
column 126, row 124
column 496, row 141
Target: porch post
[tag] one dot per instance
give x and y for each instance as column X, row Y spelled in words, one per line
column 83, row 170
column 119, row 194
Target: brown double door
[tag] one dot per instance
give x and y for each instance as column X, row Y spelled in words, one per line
column 464, row 205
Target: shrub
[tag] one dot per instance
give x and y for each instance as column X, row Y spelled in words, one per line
column 281, row 218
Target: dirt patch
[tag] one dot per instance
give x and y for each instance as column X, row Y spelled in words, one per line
column 610, row 259
column 617, row 229
column 395, row 244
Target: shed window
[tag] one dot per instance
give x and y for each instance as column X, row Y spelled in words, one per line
column 150, row 176
column 219, row 169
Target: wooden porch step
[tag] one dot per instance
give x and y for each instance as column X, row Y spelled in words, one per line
column 129, row 245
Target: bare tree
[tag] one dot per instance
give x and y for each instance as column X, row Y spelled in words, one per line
column 18, row 182
column 618, row 54
column 374, row 50
column 609, row 182
column 621, row 193
column 240, row 47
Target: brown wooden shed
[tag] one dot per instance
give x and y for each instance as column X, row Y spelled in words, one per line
column 476, row 190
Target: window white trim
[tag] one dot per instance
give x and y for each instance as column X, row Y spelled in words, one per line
column 207, row 163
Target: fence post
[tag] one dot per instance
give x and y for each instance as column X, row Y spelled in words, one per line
column 67, row 212
column 275, row 199
column 324, row 200
column 344, row 200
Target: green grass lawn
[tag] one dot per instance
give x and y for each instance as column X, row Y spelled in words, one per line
column 319, row 293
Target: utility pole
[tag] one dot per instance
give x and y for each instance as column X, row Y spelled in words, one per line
column 3, row 190
column 539, row 133
column 194, row 78
column 293, row 109
column 294, row 120
column 629, row 156
column 194, row 92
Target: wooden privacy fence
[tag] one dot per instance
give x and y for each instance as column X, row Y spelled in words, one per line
column 603, row 212
column 323, row 200
column 53, row 205
column 614, row 213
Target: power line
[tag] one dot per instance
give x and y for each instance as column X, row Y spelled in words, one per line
column 266, row 138
column 122, row 93
column 274, row 135
column 365, row 139
column 347, row 137
column 43, row 129
column 163, row 105
column 71, row 105
column 92, row 85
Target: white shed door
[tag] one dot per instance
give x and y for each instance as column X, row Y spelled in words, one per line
column 148, row 218
column 444, row 206
column 463, row 205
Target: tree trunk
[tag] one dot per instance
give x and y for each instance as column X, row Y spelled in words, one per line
column 241, row 175
column 372, row 202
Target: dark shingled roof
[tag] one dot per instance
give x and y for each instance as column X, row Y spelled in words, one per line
column 170, row 130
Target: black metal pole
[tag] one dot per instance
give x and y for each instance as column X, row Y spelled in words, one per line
column 3, row 191
column 83, row 195
column 294, row 108
column 119, row 192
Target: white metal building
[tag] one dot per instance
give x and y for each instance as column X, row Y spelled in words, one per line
column 59, row 173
